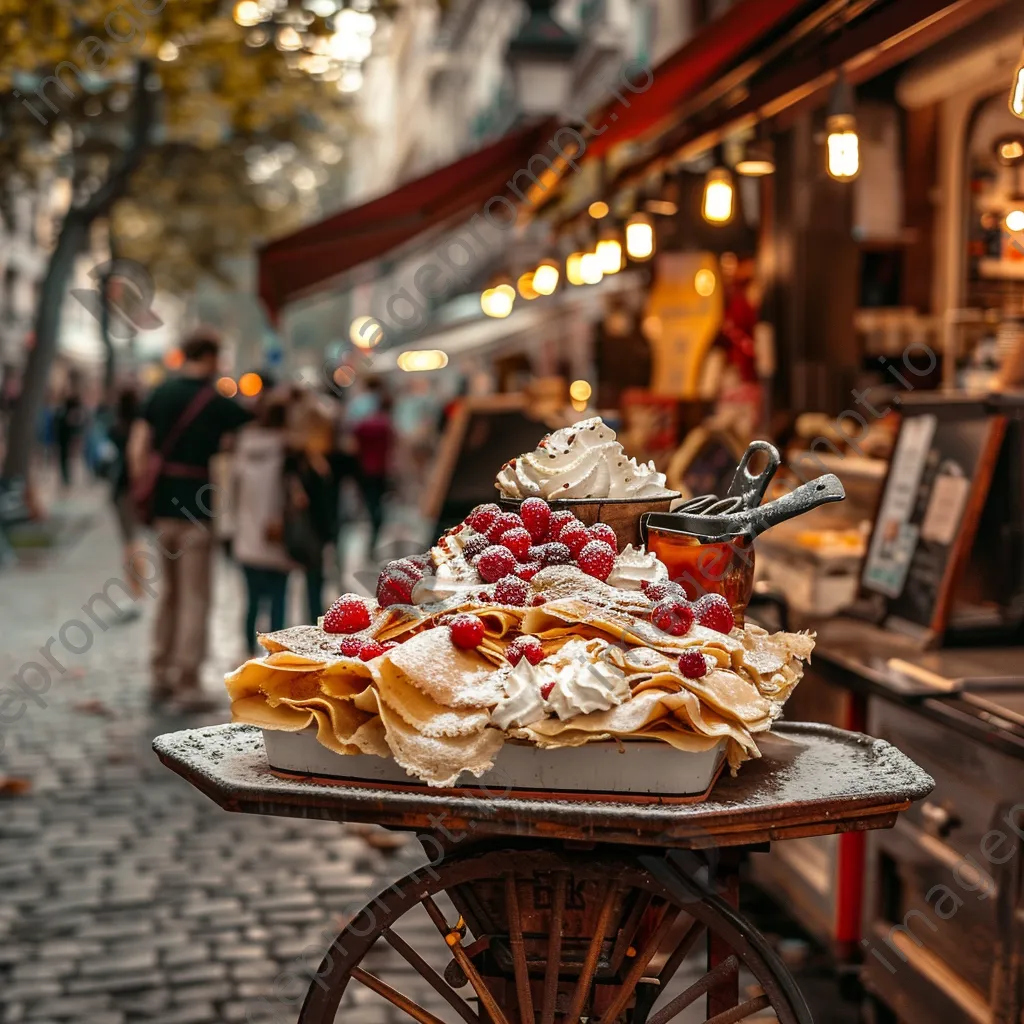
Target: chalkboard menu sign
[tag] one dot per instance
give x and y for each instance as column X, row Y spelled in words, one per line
column 482, row 434
column 938, row 481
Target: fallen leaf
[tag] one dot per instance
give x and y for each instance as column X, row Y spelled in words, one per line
column 11, row 786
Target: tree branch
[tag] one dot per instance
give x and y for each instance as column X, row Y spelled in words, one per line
column 113, row 188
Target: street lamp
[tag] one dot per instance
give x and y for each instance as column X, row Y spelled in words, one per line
column 541, row 56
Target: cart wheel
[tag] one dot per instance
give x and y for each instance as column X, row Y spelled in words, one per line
column 521, row 936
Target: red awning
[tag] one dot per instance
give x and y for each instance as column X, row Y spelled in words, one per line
column 715, row 48
column 297, row 263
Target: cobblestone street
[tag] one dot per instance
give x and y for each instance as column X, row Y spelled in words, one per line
column 124, row 894
column 127, row 896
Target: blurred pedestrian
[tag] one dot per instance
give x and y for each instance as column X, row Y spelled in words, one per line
column 125, row 413
column 69, row 423
column 169, row 452
column 259, row 502
column 311, row 501
column 374, row 436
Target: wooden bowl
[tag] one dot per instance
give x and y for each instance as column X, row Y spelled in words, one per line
column 621, row 514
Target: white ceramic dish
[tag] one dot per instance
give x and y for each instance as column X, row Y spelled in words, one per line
column 642, row 767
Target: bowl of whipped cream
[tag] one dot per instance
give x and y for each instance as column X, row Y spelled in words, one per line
column 584, row 468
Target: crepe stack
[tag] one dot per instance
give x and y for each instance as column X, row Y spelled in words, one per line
column 431, row 705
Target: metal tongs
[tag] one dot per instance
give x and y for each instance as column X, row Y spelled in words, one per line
column 740, row 512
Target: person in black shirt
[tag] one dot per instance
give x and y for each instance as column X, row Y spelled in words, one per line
column 183, row 506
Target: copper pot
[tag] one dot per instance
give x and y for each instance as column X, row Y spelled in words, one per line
column 621, row 514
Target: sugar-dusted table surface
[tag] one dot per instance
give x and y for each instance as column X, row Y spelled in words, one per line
column 811, row 780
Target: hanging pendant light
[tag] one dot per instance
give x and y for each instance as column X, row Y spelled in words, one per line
column 843, row 144
column 609, row 251
column 498, row 300
column 1017, row 92
column 545, row 277
column 640, row 236
column 574, row 268
column 758, row 158
column 719, row 202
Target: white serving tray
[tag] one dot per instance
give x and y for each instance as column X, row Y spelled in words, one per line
column 641, row 767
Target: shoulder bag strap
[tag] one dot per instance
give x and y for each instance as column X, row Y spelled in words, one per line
column 201, row 400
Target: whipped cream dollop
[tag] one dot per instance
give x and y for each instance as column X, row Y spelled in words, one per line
column 523, row 704
column 582, row 684
column 581, row 461
column 635, row 567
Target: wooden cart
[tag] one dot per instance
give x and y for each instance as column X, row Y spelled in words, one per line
column 570, row 909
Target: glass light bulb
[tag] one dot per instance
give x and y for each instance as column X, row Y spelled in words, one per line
column 843, row 148
column 590, row 268
column 545, row 279
column 609, row 252
column 573, row 273
column 640, row 239
column 719, row 197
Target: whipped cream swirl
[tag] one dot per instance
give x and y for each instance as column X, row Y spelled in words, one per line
column 523, row 704
column 635, row 567
column 581, row 461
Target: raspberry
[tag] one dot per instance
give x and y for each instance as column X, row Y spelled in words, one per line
column 351, row 646
column 371, row 649
column 597, row 559
column 528, row 647
column 495, row 562
column 558, row 521
column 602, row 531
column 673, row 616
column 502, row 524
column 575, row 537
column 475, row 546
column 348, row 614
column 714, row 612
column 410, row 567
column 546, row 688
column 538, row 600
column 511, row 590
column 693, row 664
column 555, row 554
column 389, row 645
column 466, row 631
column 528, row 570
column 423, row 561
column 536, row 553
column 659, row 591
column 517, row 540
column 394, row 585
column 482, row 516
column 536, row 516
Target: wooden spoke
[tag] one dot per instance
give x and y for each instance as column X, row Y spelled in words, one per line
column 586, row 977
column 714, row 977
column 628, row 930
column 640, row 962
column 454, row 940
column 430, row 976
column 739, row 1013
column 559, row 880
column 515, row 941
column 681, row 952
column 393, row 996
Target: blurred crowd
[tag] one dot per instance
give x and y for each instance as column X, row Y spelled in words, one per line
column 268, row 480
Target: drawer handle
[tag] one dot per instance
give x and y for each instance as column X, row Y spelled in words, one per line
column 938, row 819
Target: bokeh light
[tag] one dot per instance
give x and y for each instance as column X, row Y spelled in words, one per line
column 250, row 384
column 227, row 387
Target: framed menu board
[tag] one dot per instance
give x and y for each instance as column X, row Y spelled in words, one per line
column 927, row 520
column 482, row 434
